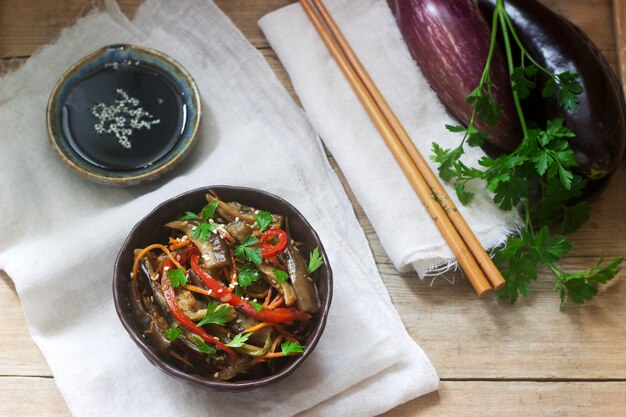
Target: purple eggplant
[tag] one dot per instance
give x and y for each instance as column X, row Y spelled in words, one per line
column 449, row 40
column 599, row 121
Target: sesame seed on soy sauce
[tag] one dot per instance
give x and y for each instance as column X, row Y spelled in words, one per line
column 124, row 116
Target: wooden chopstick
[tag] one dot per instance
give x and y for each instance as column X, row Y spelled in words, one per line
column 481, row 256
column 425, row 183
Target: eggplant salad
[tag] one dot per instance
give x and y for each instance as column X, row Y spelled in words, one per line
column 229, row 296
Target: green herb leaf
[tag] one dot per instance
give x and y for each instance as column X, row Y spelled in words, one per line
column 177, row 277
column 239, row 340
column 582, row 286
column 256, row 306
column 520, row 81
column 216, row 313
column 290, row 346
column 574, row 217
column 190, row 216
column 248, row 274
column 173, row 333
column 208, row 211
column 203, row 230
column 281, row 276
column 247, row 252
column 263, row 219
column 315, row 260
column 203, row 347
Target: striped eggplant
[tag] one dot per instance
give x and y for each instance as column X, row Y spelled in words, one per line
column 449, row 40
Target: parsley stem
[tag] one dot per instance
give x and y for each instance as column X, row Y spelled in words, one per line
column 521, row 46
column 501, row 13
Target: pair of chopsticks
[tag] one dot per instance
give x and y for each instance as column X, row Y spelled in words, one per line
column 468, row 251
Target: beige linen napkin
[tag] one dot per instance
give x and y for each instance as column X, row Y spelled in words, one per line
column 60, row 233
column 403, row 225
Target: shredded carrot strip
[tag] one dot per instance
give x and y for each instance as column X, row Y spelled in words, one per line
column 268, row 298
column 148, row 249
column 233, row 275
column 199, row 290
column 258, row 296
column 277, row 302
column 273, row 355
column 285, row 333
column 179, row 244
column 276, row 342
column 257, row 327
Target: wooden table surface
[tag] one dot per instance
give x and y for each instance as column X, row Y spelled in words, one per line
column 529, row 359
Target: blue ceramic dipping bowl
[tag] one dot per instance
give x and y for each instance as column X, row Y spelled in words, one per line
column 107, row 121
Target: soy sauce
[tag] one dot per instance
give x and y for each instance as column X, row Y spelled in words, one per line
column 147, row 96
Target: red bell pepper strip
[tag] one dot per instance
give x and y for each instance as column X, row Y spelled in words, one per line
column 272, row 249
column 172, row 303
column 279, row 315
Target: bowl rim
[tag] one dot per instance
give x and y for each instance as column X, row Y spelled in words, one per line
column 171, row 159
column 127, row 323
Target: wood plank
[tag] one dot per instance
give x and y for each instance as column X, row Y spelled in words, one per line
column 619, row 23
column 29, row 396
column 32, row 396
column 467, row 337
column 18, row 353
column 520, row 399
column 27, row 24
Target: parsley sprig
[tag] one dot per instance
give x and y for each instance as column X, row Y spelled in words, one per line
column 248, row 274
column 239, row 340
column 543, row 164
column 263, row 219
column 215, row 314
column 247, row 252
column 315, row 260
column 290, row 347
column 177, row 277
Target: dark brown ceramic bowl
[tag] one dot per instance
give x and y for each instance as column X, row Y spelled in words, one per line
column 150, row 230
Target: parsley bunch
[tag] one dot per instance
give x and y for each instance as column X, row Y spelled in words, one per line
column 538, row 177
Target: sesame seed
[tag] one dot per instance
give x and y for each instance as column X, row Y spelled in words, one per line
column 216, row 374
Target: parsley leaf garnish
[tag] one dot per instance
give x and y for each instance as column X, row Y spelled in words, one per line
column 173, row 333
column 281, row 276
column 247, row 252
column 215, row 314
column 256, row 306
column 315, row 260
column 263, row 219
column 239, row 340
column 290, row 346
column 248, row 274
column 190, row 216
column 203, row 347
column 203, row 230
column 208, row 211
column 177, row 277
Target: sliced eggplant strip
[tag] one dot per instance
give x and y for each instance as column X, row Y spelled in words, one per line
column 283, row 288
column 214, row 250
column 251, row 350
column 234, row 210
column 306, row 291
column 239, row 230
